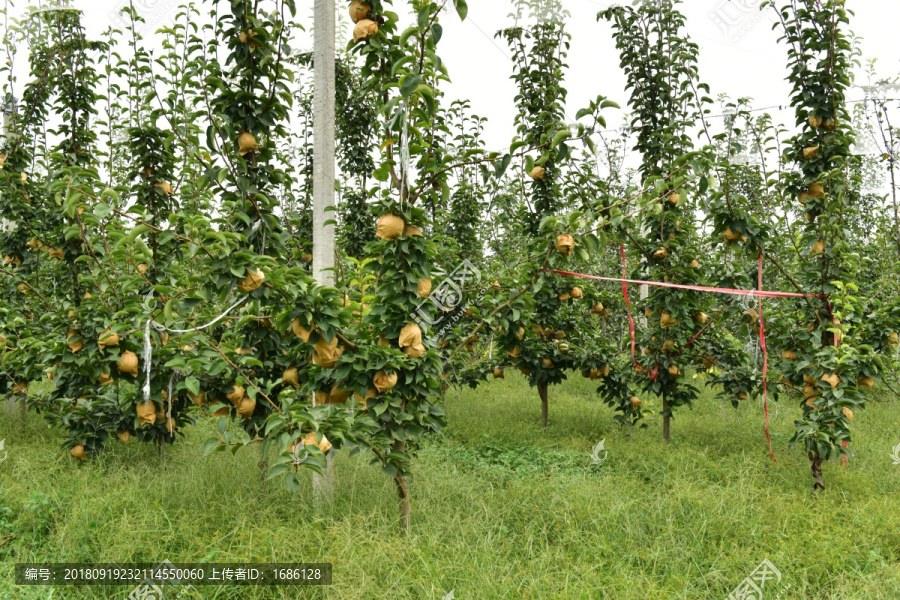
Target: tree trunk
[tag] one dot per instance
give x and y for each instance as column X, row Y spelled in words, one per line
column 405, row 505
column 263, row 464
column 161, row 446
column 667, row 419
column 816, row 468
column 542, row 392
column 23, row 411
column 323, row 485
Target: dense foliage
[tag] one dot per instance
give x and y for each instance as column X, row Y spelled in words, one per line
column 157, row 232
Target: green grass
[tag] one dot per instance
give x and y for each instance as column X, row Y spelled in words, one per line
column 501, row 508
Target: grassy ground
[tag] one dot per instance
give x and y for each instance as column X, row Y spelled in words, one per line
column 502, row 509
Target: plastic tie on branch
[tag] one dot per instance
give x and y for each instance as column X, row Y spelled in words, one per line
column 148, row 348
column 404, row 152
column 148, row 355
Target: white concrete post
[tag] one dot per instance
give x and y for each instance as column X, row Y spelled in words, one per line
column 323, row 181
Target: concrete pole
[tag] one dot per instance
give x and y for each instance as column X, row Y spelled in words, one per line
column 7, row 108
column 323, row 182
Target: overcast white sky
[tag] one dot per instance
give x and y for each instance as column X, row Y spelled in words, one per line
column 739, row 51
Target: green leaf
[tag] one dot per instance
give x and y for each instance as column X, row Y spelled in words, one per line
column 275, row 422
column 501, row 165
column 193, row 385
column 110, row 193
column 462, row 9
column 403, row 39
column 101, row 210
column 382, row 173
column 560, row 137
column 169, row 310
column 704, row 184
column 277, row 470
column 211, row 445
column 409, row 83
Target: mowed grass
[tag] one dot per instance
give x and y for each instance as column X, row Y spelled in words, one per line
column 502, row 509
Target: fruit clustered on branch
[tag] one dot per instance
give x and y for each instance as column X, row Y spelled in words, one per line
column 539, row 322
column 660, row 61
column 831, row 354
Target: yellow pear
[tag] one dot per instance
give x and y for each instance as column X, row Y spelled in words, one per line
column 423, row 288
column 325, row 353
column 364, row 30
column 247, row 143
column 108, row 339
column 359, row 10
column 236, row 394
column 302, row 332
column 253, row 281
column 78, row 452
column 389, row 227
column 246, row 407
column 731, row 236
column 291, row 377
column 128, row 363
column 384, row 382
column 565, row 244
column 146, row 412
column 666, row 320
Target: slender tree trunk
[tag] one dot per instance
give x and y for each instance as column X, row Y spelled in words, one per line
column 816, row 468
column 667, row 419
column 545, row 405
column 23, row 411
column 405, row 504
column 161, row 446
column 323, row 485
column 263, row 464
